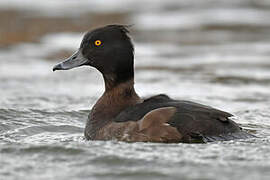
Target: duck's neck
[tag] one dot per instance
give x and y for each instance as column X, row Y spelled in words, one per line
column 115, row 99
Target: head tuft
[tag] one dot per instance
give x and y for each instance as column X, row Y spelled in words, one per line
column 115, row 30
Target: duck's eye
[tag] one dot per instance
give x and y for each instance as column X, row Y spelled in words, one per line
column 98, row 42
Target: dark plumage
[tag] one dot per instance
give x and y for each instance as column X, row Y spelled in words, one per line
column 196, row 122
column 121, row 114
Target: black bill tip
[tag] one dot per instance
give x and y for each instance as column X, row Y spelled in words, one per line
column 58, row 67
column 76, row 60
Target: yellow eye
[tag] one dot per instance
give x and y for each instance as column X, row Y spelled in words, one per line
column 97, row 42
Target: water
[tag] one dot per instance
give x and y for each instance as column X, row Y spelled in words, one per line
column 215, row 53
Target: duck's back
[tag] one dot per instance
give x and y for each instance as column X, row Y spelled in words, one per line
column 195, row 122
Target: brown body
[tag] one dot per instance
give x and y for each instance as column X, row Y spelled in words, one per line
column 111, row 119
column 153, row 127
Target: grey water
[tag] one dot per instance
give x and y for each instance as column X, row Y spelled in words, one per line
column 212, row 53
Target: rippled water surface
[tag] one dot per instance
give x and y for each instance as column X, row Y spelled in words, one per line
column 215, row 53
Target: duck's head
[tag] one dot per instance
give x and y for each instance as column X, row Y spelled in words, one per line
column 109, row 49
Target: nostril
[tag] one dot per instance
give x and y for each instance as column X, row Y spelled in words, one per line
column 74, row 57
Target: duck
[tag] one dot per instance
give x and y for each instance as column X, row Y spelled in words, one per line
column 121, row 114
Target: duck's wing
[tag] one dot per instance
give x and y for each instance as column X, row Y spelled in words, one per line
column 155, row 128
column 136, row 112
column 195, row 122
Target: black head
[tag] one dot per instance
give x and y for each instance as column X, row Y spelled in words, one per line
column 109, row 49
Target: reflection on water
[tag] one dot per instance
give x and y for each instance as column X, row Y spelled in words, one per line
column 212, row 52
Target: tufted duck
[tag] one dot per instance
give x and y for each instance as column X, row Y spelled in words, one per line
column 122, row 115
